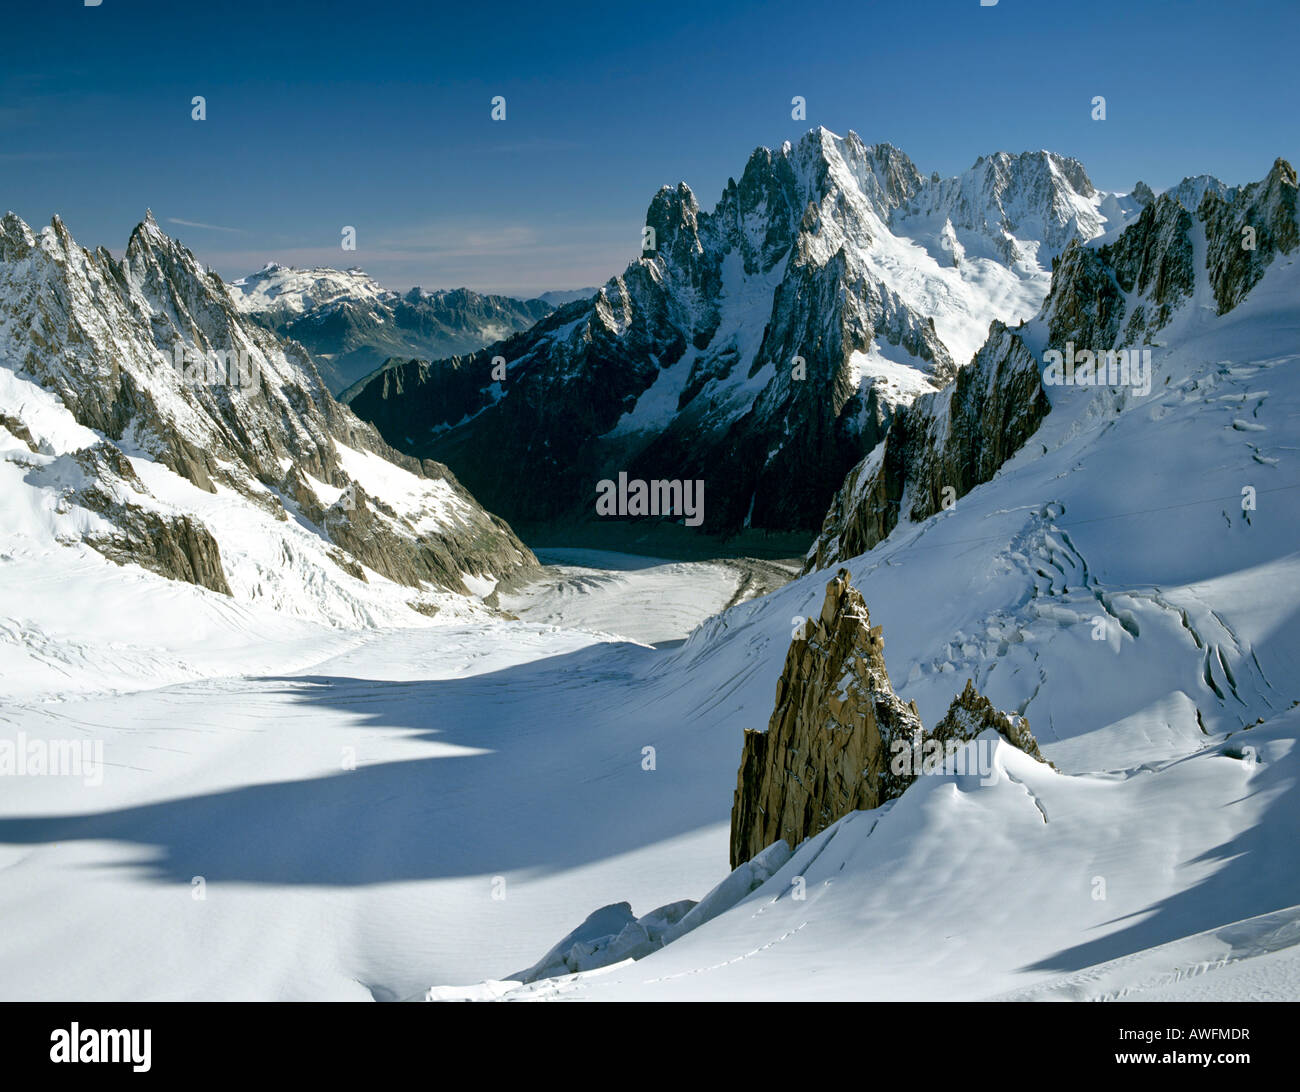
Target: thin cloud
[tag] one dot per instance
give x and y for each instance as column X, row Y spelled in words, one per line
column 208, row 227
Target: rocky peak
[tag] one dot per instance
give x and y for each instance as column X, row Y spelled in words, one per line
column 837, row 728
column 971, row 714
column 759, row 215
column 16, row 238
column 826, row 749
column 240, row 408
column 674, row 214
column 1265, row 210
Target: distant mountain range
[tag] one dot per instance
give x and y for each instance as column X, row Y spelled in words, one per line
column 351, row 324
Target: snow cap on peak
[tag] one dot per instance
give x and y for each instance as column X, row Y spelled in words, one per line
column 1282, row 171
column 149, row 226
column 15, row 236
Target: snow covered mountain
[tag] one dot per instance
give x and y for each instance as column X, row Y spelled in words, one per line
column 145, row 422
column 1126, row 580
column 763, row 347
column 351, row 324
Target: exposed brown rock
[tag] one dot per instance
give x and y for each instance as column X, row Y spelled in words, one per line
column 826, row 750
column 178, row 547
column 19, row 430
column 173, row 545
column 829, row 746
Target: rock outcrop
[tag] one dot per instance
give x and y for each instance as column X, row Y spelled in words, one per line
column 171, row 544
column 938, row 449
column 827, row 746
column 971, row 714
column 831, row 744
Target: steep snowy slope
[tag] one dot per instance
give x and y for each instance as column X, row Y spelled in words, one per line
column 351, row 324
column 762, row 347
column 143, row 422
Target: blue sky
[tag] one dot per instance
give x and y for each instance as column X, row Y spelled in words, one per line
column 321, row 114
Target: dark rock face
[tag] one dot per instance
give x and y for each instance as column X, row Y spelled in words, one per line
column 1152, row 258
column 972, row 714
column 745, row 321
column 836, row 728
column 1114, row 296
column 826, row 749
column 103, row 336
column 1268, row 208
column 954, row 440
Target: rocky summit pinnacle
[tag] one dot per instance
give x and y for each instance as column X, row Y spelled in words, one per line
column 826, row 749
column 837, row 728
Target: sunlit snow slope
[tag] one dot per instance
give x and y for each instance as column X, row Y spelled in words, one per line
column 369, row 812
column 1109, row 584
